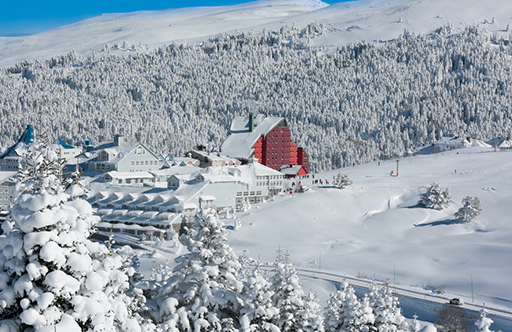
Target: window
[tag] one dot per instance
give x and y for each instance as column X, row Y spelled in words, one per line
column 239, row 193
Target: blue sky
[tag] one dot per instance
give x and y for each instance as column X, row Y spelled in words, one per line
column 19, row 17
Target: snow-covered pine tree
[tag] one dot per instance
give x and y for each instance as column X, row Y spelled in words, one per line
column 333, row 311
column 345, row 312
column 203, row 293
column 484, row 323
column 258, row 310
column 352, row 313
column 342, row 181
column 366, row 316
column 53, row 278
column 435, row 198
column 291, row 302
column 415, row 325
column 388, row 316
column 311, row 315
column 470, row 209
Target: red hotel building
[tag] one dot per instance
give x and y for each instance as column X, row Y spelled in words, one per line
column 269, row 140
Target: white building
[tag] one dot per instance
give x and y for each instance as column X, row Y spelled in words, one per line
column 6, row 189
column 130, row 178
column 140, row 209
column 123, row 156
column 10, row 160
column 66, row 151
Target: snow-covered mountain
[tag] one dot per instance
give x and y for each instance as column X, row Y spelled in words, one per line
column 346, row 23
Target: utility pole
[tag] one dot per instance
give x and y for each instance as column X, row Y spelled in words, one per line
column 320, row 261
column 472, row 294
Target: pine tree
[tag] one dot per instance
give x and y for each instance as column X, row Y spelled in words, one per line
column 203, row 293
column 293, row 305
column 470, row 209
column 258, row 311
column 53, row 277
column 345, row 312
column 388, row 316
column 333, row 311
column 342, row 180
column 484, row 323
column 435, row 198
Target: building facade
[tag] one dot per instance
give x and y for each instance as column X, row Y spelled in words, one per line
column 124, row 156
column 265, row 138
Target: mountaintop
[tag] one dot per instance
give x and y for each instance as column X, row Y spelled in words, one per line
column 346, row 23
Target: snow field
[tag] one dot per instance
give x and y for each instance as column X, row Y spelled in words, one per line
column 375, row 228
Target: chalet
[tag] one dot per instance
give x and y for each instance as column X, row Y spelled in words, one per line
column 162, row 176
column 10, row 160
column 266, row 138
column 122, row 156
column 66, row 151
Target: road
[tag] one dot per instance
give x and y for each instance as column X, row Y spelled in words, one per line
column 428, row 301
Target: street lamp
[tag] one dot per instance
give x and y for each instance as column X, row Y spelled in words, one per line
column 472, row 293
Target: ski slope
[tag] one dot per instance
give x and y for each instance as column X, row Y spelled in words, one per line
column 374, row 229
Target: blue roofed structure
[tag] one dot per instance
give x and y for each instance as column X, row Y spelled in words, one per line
column 27, row 136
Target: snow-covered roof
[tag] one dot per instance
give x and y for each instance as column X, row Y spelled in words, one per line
column 506, row 144
column 129, row 175
column 224, row 174
column 177, row 170
column 261, row 169
column 240, row 141
column 186, row 160
column 4, row 176
column 17, row 149
column 291, row 170
column 64, row 144
column 118, row 151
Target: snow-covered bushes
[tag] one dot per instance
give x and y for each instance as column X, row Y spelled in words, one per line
column 435, row 198
column 53, row 277
column 470, row 209
column 341, row 181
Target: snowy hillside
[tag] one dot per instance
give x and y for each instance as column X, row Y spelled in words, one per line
column 151, row 29
column 374, row 228
column 346, row 22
